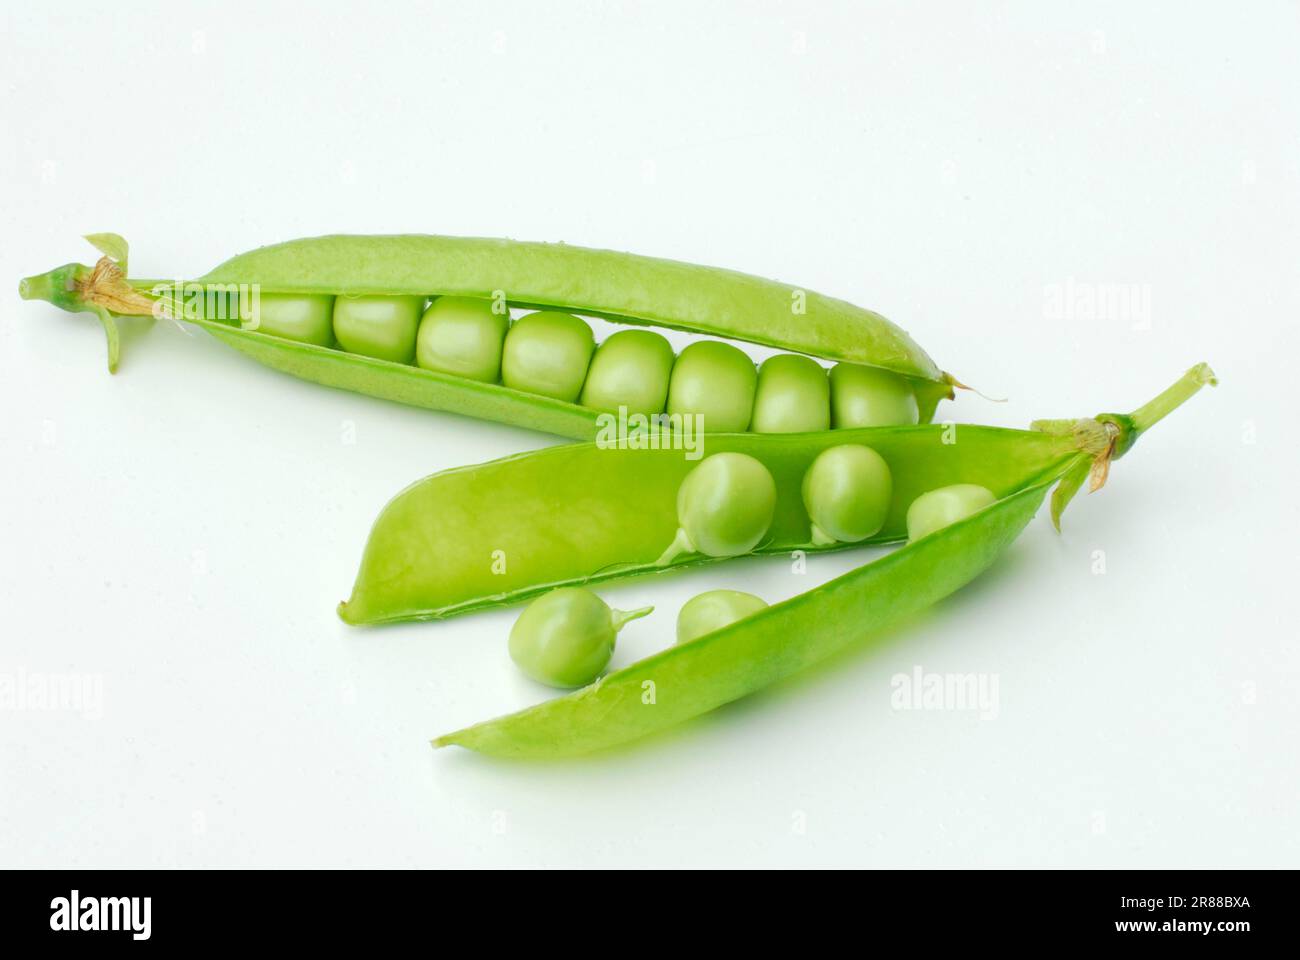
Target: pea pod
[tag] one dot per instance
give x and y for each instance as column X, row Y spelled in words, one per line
column 505, row 531
column 769, row 645
column 621, row 287
column 685, row 681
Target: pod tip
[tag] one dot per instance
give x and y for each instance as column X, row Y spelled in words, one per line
column 39, row 287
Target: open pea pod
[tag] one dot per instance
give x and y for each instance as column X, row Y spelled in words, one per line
column 763, row 648
column 693, row 678
column 621, row 287
column 505, row 531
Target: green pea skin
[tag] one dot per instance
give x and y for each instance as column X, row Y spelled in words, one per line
column 714, row 610
column 847, row 491
column 716, row 381
column 630, row 369
column 937, row 509
column 379, row 327
column 462, row 336
column 547, row 353
column 565, row 638
column 870, row 397
column 724, row 507
column 793, row 396
column 306, row 318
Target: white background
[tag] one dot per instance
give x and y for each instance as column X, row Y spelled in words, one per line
column 182, row 531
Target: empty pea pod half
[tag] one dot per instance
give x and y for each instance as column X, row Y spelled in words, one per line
column 748, row 649
column 578, row 514
column 425, row 321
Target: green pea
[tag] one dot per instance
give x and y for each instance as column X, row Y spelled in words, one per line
column 716, row 381
column 724, row 507
column 870, row 397
column 937, row 509
column 379, row 327
column 793, row 396
column 565, row 638
column 307, row 318
column 846, row 492
column 630, row 369
column 462, row 336
column 714, row 610
column 547, row 353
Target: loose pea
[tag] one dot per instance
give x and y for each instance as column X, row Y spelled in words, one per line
column 870, row 397
column 714, row 610
column 307, row 318
column 724, row 507
column 565, row 638
column 846, row 492
column 716, row 381
column 630, row 369
column 547, row 353
column 937, row 509
column 379, row 327
column 462, row 336
column 793, row 396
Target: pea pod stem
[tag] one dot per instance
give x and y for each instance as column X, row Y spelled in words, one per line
column 618, row 619
column 1152, row 412
column 1108, row 436
column 820, row 538
column 680, row 546
column 100, row 290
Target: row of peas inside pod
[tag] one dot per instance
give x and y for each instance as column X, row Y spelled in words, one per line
column 425, row 320
column 553, row 354
column 725, row 507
